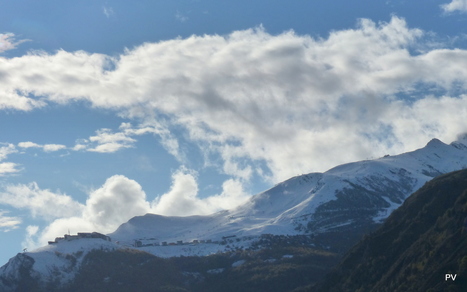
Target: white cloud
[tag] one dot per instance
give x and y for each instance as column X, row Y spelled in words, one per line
column 183, row 198
column 292, row 103
column 18, row 101
column 7, row 42
column 28, row 145
column 8, row 167
column 41, row 203
column 232, row 196
column 53, row 147
column 117, row 201
column 79, row 147
column 455, row 5
column 8, row 223
column 6, row 150
column 45, row 147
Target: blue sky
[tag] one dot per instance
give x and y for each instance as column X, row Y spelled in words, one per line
column 112, row 109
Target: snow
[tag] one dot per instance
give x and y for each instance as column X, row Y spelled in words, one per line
column 238, row 263
column 215, row 271
column 383, row 214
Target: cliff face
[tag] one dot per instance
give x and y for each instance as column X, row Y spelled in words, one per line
column 422, row 246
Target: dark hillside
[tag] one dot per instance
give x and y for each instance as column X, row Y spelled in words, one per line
column 419, row 244
column 275, row 268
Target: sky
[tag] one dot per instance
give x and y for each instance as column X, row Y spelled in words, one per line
column 114, row 109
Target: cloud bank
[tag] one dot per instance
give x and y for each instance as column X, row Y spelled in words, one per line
column 267, row 105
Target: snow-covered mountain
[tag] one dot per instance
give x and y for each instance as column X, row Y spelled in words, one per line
column 345, row 201
column 350, row 197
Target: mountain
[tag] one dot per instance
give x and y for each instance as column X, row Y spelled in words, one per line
column 421, row 242
column 335, row 207
column 312, row 214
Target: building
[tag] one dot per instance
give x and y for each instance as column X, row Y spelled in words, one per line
column 80, row 235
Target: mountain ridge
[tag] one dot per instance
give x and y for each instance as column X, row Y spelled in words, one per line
column 354, row 194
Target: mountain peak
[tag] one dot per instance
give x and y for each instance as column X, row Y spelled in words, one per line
column 434, row 142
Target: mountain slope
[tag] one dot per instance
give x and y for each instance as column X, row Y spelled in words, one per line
column 419, row 243
column 346, row 201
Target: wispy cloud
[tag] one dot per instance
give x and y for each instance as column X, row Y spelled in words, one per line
column 107, row 141
column 8, row 223
column 108, row 11
column 181, row 17
column 455, row 5
column 110, row 142
column 8, row 42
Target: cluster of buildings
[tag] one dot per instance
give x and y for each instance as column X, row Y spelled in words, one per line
column 152, row 241
column 139, row 243
column 68, row 237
